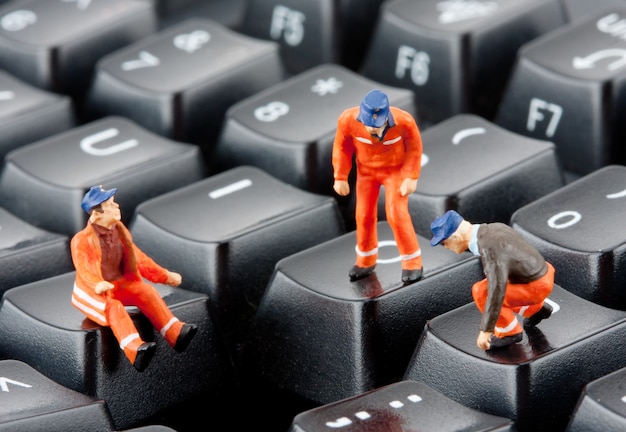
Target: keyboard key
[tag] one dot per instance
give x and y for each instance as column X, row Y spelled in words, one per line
column 472, row 166
column 32, row 402
column 568, row 87
column 576, row 9
column 455, row 55
column 307, row 31
column 226, row 233
column 403, row 406
column 324, row 338
column 601, row 406
column 288, row 130
column 535, row 382
column 179, row 82
column 39, row 326
column 22, row 105
column 28, row 253
column 54, row 44
column 579, row 229
column 44, row 182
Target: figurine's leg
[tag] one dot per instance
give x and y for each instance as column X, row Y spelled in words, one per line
column 136, row 350
column 366, row 217
column 399, row 219
column 528, row 299
column 507, row 323
column 149, row 301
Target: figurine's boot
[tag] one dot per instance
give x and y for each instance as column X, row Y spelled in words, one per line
column 365, row 264
column 534, row 318
column 504, row 341
column 412, row 269
column 178, row 334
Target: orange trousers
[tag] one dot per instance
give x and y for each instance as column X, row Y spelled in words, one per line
column 368, row 183
column 521, row 299
column 149, row 301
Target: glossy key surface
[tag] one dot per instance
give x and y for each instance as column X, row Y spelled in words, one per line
column 403, row 405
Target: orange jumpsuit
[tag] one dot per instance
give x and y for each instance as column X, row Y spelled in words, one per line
column 107, row 309
column 380, row 162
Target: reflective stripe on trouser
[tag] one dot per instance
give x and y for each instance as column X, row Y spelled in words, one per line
column 369, row 181
column 522, row 299
column 110, row 311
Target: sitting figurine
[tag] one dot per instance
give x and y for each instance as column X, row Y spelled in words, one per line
column 388, row 149
column 109, row 275
column 518, row 279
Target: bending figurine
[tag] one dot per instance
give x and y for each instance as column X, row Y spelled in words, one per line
column 388, row 149
column 109, row 275
column 518, row 279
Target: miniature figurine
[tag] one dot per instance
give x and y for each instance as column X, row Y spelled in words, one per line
column 109, row 275
column 388, row 149
column 518, row 279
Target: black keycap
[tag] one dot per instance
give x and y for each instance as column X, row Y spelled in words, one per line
column 324, row 338
column 535, row 382
column 307, row 31
column 33, row 402
column 39, row 326
column 288, row 130
column 474, row 167
column 22, row 106
column 28, row 253
column 180, row 82
column 402, row 406
column 602, row 405
column 54, row 44
column 455, row 55
column 579, row 229
column 44, row 182
column 226, row 233
column 569, row 87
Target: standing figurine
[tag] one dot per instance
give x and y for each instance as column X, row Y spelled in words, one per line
column 109, row 275
column 388, row 149
column 518, row 279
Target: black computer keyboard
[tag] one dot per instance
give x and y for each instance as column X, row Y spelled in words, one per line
column 215, row 121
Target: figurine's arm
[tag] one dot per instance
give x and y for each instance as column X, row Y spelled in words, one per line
column 496, row 271
column 412, row 140
column 343, row 151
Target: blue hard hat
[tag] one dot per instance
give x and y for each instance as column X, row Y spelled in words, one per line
column 444, row 226
column 374, row 109
column 96, row 195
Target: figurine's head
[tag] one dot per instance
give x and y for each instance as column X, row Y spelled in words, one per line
column 95, row 196
column 374, row 109
column 444, row 226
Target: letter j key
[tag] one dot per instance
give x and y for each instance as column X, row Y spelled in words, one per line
column 580, row 229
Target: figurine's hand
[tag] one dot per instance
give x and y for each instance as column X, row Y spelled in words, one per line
column 484, row 340
column 342, row 187
column 103, row 286
column 174, row 279
column 408, row 186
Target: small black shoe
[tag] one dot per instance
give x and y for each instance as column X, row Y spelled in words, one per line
column 497, row 342
column 187, row 332
column 543, row 313
column 357, row 272
column 145, row 352
column 410, row 276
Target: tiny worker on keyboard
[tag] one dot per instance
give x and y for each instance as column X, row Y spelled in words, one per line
column 518, row 279
column 388, row 149
column 109, row 272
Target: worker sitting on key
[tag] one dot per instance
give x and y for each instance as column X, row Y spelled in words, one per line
column 109, row 276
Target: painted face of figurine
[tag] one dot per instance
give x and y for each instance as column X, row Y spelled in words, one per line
column 456, row 243
column 109, row 215
column 375, row 131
